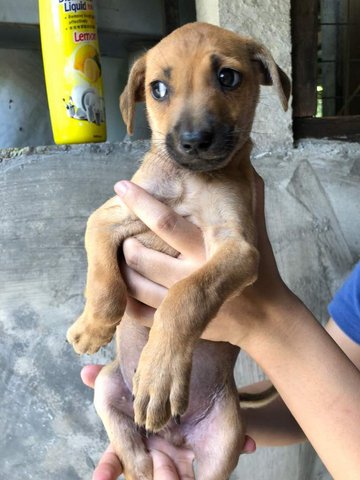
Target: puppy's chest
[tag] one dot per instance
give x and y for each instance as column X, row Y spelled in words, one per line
column 204, row 203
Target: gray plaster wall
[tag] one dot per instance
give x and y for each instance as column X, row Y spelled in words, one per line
column 48, row 425
column 24, row 111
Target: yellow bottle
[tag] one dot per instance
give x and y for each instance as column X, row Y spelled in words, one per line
column 72, row 70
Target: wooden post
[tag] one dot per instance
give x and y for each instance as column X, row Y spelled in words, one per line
column 304, row 35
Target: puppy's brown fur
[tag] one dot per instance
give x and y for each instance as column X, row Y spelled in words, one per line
column 199, row 164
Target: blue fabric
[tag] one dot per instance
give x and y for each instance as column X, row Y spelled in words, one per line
column 345, row 306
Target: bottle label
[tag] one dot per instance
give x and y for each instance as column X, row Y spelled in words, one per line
column 83, row 98
column 70, row 6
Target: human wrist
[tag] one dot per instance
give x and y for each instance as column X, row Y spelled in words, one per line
column 277, row 327
column 262, row 317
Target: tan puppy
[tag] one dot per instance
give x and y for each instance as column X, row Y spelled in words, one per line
column 201, row 86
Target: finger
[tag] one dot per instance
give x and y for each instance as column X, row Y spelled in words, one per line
column 164, row 468
column 143, row 313
column 249, row 445
column 152, row 264
column 260, row 195
column 89, row 373
column 142, row 289
column 109, row 466
column 176, row 231
column 267, row 258
column 260, row 209
column 181, row 457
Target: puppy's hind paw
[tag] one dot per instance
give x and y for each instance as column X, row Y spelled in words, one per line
column 87, row 337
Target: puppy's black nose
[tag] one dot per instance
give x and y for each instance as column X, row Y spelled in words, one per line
column 196, row 141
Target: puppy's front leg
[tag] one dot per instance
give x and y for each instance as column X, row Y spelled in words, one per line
column 105, row 290
column 161, row 382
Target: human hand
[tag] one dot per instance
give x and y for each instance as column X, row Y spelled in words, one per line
column 169, row 462
column 149, row 273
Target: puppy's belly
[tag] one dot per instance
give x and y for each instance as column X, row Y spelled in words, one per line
column 212, row 370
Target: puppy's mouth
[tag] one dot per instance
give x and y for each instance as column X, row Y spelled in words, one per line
column 202, row 151
column 197, row 162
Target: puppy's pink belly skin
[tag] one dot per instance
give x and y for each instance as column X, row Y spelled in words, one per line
column 211, row 377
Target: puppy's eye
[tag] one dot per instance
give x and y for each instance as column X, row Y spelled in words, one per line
column 158, row 90
column 229, row 78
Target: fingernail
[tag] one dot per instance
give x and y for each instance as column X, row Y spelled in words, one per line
column 121, row 188
column 177, row 419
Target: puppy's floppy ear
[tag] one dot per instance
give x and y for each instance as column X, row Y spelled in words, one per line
column 133, row 92
column 270, row 73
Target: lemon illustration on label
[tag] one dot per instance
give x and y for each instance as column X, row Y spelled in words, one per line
column 91, row 69
column 87, row 61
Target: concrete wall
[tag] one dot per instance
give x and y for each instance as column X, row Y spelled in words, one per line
column 24, row 113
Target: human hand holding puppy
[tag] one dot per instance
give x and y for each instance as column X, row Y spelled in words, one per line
column 169, row 462
column 268, row 321
column 149, row 273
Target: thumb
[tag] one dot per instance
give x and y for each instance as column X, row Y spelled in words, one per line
column 164, row 468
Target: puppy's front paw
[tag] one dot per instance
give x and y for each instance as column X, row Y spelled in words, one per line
column 161, row 386
column 87, row 336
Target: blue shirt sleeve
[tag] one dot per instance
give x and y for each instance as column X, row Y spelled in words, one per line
column 345, row 306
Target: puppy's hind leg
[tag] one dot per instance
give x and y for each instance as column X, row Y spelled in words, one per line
column 113, row 402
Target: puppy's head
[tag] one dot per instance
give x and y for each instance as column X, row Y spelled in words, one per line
column 201, row 86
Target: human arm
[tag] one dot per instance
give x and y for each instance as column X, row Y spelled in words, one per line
column 273, row 424
column 316, row 380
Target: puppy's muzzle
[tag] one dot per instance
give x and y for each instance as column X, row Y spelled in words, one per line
column 201, row 149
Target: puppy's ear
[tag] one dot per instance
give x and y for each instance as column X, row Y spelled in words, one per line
column 133, row 92
column 270, row 73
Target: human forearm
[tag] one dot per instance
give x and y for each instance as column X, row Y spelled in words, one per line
column 317, row 382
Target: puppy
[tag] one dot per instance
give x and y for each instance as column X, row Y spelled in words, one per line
column 201, row 86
